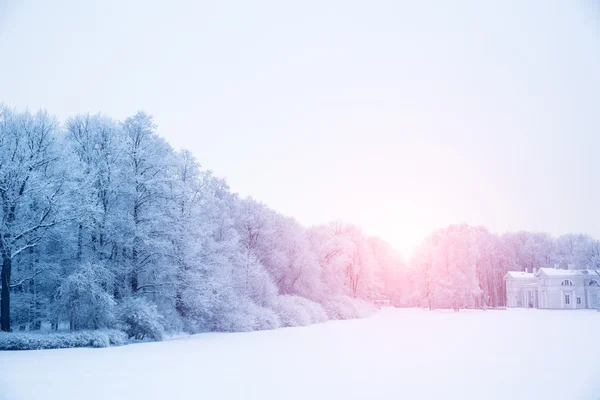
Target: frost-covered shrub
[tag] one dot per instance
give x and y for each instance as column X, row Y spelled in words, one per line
column 315, row 310
column 263, row 318
column 344, row 307
column 291, row 312
column 245, row 317
column 364, row 308
column 203, row 308
column 83, row 300
column 339, row 308
column 259, row 286
column 235, row 320
column 62, row 340
column 140, row 319
column 171, row 320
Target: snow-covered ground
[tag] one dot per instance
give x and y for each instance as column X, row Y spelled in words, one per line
column 409, row 354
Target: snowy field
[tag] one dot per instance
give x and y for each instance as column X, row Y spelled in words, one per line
column 404, row 353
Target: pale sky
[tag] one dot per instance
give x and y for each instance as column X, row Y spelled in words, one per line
column 401, row 117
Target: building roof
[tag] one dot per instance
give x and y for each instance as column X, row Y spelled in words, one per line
column 591, row 272
column 524, row 275
column 558, row 272
column 519, row 275
column 568, row 272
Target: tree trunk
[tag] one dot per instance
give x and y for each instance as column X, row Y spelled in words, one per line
column 37, row 314
column 79, row 242
column 5, row 295
column 179, row 304
column 134, row 276
column 134, row 253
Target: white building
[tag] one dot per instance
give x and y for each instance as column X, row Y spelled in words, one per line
column 553, row 288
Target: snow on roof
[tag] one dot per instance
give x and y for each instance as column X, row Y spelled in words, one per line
column 520, row 275
column 592, row 272
column 553, row 272
column 567, row 272
column 558, row 272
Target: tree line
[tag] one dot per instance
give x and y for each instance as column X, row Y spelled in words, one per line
column 102, row 222
column 463, row 266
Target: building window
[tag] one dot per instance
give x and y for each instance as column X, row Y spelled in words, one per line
column 579, row 300
column 566, row 282
column 567, row 299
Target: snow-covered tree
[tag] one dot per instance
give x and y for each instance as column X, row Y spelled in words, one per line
column 30, row 195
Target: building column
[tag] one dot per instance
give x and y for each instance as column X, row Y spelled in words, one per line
column 562, row 299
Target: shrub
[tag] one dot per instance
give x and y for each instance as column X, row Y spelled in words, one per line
column 83, row 300
column 61, row 340
column 364, row 308
column 315, row 310
column 291, row 312
column 263, row 318
column 140, row 319
column 344, row 307
column 339, row 308
column 234, row 320
column 246, row 316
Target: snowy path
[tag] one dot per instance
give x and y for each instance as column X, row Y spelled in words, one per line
column 410, row 354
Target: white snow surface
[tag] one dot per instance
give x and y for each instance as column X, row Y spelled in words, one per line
column 397, row 353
